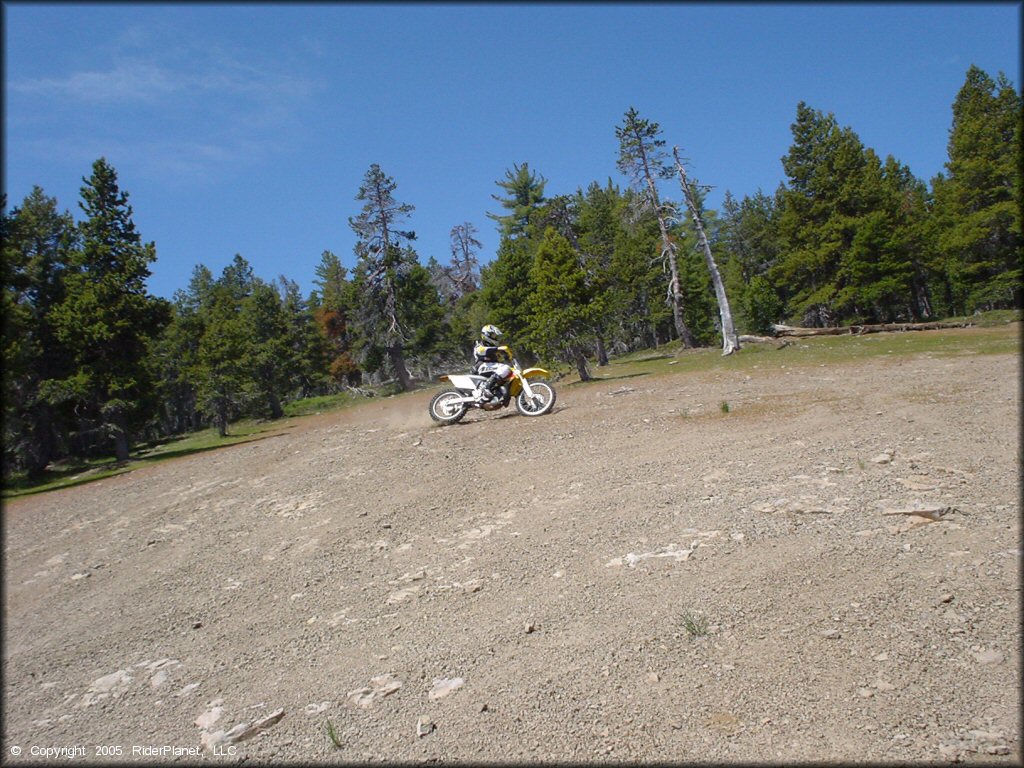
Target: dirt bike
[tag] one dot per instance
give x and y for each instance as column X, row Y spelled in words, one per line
column 532, row 398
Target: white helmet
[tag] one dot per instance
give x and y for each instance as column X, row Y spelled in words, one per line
column 491, row 334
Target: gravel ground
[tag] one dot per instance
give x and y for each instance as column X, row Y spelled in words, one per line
column 637, row 577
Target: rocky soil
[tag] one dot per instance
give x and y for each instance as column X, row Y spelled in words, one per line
column 830, row 570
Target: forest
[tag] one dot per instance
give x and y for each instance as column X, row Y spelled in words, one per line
column 95, row 364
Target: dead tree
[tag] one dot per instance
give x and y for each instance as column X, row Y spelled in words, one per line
column 730, row 342
column 641, row 157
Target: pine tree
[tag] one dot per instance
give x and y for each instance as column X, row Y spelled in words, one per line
column 221, row 372
column 526, row 194
column 176, row 354
column 336, row 305
column 821, row 209
column 37, row 242
column 107, row 318
column 269, row 358
column 749, row 235
column 381, row 264
column 563, row 308
column 978, row 200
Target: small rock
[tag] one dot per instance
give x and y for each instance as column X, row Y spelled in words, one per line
column 197, row 625
column 442, row 687
column 111, row 683
column 865, row 693
column 883, row 458
column 989, row 657
column 986, row 735
column 830, row 634
column 382, row 685
column 947, row 598
column 883, row 656
column 653, row 677
column 530, row 628
column 209, row 717
column 424, row 726
column 247, row 731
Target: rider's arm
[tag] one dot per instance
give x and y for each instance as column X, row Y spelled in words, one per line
column 505, row 352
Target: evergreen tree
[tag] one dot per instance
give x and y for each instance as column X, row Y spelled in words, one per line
column 382, row 263
column 176, row 353
column 306, row 346
column 643, row 316
column 749, row 235
column 978, row 201
column 222, row 374
column 269, row 358
column 506, row 287
column 563, row 308
column 37, row 242
column 336, row 307
column 599, row 222
column 821, row 210
column 525, row 195
column 107, row 319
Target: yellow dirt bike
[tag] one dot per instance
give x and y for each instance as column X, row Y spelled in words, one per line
column 532, row 396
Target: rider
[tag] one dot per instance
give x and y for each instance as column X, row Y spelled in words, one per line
column 488, row 356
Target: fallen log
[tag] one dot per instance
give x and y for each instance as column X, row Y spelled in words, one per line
column 857, row 330
column 777, row 343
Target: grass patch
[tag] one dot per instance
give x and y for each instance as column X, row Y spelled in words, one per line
column 310, row 406
column 333, row 735
column 71, row 473
column 724, row 407
column 990, row 335
column 695, row 624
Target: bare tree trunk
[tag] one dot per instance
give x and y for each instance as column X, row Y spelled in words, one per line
column 602, row 352
column 668, row 252
column 222, row 417
column 116, row 419
column 398, row 363
column 274, row 402
column 730, row 342
column 581, row 364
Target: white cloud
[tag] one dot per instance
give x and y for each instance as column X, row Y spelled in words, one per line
column 179, row 110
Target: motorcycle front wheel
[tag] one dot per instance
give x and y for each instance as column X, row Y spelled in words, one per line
column 446, row 407
column 542, row 402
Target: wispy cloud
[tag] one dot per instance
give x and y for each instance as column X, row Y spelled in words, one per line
column 188, row 108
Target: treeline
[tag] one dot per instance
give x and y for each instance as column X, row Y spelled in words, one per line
column 93, row 362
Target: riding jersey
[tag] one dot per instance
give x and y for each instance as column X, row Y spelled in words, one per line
column 488, row 358
column 487, row 354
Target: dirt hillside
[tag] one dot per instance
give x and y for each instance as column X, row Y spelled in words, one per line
column 639, row 576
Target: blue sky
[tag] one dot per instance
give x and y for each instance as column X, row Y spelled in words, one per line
column 248, row 128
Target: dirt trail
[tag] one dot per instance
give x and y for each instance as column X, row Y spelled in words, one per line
column 636, row 577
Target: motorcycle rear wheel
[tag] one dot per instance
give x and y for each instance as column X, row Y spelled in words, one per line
column 445, row 407
column 543, row 404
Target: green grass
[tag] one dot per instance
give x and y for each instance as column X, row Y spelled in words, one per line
column 325, row 404
column 332, row 734
column 77, row 472
column 71, row 473
column 695, row 624
column 994, row 333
